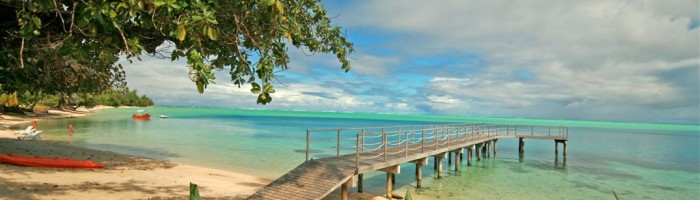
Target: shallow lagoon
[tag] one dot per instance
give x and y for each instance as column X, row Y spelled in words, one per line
column 637, row 161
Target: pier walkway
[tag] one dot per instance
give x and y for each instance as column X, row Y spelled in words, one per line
column 339, row 157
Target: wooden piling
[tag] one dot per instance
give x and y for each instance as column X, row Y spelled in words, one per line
column 419, row 170
column 556, row 146
column 438, row 160
column 488, row 149
column 390, row 173
column 389, row 185
column 494, row 147
column 449, row 158
column 457, row 153
column 419, row 174
column 344, row 192
column 478, row 152
column 469, row 156
column 435, row 163
column 439, row 167
column 521, row 146
column 360, row 185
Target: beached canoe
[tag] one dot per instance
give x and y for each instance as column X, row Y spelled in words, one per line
column 48, row 162
column 141, row 117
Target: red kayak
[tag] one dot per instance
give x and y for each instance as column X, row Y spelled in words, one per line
column 141, row 117
column 48, row 162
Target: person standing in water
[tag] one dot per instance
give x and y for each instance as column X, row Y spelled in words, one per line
column 70, row 133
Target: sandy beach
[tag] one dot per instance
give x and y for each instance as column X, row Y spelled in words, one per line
column 125, row 177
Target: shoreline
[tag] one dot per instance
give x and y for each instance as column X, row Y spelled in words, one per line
column 124, row 177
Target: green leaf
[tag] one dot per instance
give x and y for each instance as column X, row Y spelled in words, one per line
column 101, row 20
column 264, row 98
column 158, row 3
column 212, row 33
column 112, row 14
column 255, row 89
column 268, row 88
column 268, row 98
column 37, row 21
column 261, row 99
column 181, row 32
column 280, row 7
column 200, row 87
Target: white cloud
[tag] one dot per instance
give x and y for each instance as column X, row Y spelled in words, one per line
column 373, row 65
column 584, row 55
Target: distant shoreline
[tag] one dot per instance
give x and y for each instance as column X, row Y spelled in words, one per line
column 13, row 120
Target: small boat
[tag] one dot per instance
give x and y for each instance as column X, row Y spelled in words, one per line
column 141, row 116
column 163, row 116
column 48, row 162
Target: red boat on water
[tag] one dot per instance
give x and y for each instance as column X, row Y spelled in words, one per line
column 141, row 116
column 48, row 162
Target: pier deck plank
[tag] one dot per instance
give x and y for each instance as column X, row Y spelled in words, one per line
column 313, row 179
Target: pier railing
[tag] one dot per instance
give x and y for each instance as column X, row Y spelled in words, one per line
column 382, row 142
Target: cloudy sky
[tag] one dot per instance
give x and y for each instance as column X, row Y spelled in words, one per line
column 625, row 60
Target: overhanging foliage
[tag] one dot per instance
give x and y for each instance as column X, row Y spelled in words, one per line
column 72, row 46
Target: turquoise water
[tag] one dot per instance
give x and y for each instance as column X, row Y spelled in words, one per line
column 638, row 161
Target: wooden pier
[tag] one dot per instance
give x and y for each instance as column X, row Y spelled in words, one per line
column 360, row 150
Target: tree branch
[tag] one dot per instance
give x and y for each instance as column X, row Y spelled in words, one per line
column 21, row 59
column 126, row 44
column 72, row 21
column 58, row 12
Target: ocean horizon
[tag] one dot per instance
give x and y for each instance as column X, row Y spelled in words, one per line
column 636, row 160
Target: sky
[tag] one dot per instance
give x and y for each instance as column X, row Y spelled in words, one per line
column 603, row 60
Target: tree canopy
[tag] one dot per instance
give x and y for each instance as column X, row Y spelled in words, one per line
column 73, row 46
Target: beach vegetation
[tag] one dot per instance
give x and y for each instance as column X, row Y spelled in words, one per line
column 72, row 47
column 194, row 192
column 9, row 101
column 41, row 101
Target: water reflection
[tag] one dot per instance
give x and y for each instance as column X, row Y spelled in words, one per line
column 558, row 164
